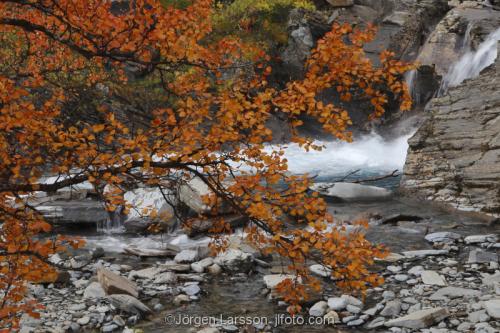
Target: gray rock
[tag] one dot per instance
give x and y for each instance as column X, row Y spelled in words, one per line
column 351, row 192
column 391, row 309
column 476, row 239
column 273, row 280
column 478, row 316
column 235, row 260
column 147, row 273
column 442, row 237
column 432, row 278
column 376, row 323
column 389, row 295
column 340, row 3
column 337, row 303
column 353, row 309
column 115, row 284
column 419, row 319
column 200, row 266
column 165, row 278
column 491, row 279
column 480, row 257
column 331, row 318
column 357, row 322
column 353, row 301
column 319, row 309
column 186, row 256
column 83, row 320
column 192, row 289
column 109, row 328
column 320, row 270
column 493, row 308
column 214, row 269
column 454, row 292
column 128, row 304
column 416, row 270
column 94, row 290
column 424, row 253
column 401, row 277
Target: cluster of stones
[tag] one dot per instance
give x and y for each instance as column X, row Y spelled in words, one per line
column 454, row 287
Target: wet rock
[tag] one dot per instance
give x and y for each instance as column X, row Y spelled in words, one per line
column 394, row 219
column 115, row 284
column 174, row 267
column 147, row 273
column 351, row 191
column 273, row 280
column 480, row 257
column 493, row 308
column 442, row 237
column 128, row 304
column 191, row 290
column 337, row 303
column 454, row 292
column 432, row 278
column 319, row 309
column 94, row 290
column 416, row 270
column 491, row 279
column 235, row 260
column 419, row 319
column 389, row 295
column 186, row 257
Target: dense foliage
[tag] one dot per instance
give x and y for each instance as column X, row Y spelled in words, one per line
column 67, row 75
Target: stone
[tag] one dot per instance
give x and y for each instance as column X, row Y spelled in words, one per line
column 181, row 299
column 391, row 309
column 209, row 330
column 200, row 266
column 389, row 295
column 376, row 323
column 115, row 284
column 186, row 257
column 442, row 237
column 475, row 239
column 401, row 277
column 94, row 290
column 340, row 3
column 109, row 328
column 191, row 193
column 432, row 278
column 165, row 278
column 331, row 318
column 173, row 266
column 491, row 279
column 481, row 257
column 464, row 327
column 351, row 192
column 478, row 316
column 416, row 270
column 353, row 309
column 273, row 280
column 235, row 260
column 320, row 270
column 83, row 320
column 146, row 199
column 214, row 269
column 192, row 289
column 493, row 308
column 454, row 292
column 128, row 304
column 424, row 253
column 147, row 273
column 356, row 322
column 419, row 319
column 352, row 301
column 118, row 320
column 394, row 269
column 337, row 303
column 318, row 309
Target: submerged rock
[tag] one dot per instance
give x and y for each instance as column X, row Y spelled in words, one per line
column 351, row 191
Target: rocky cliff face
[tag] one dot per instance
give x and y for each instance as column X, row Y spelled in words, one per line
column 455, row 156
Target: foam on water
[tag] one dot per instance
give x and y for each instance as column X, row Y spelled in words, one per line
column 370, row 153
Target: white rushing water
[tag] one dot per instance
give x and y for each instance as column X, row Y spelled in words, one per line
column 370, row 153
column 472, row 62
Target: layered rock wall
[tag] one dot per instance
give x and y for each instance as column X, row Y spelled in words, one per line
column 455, row 156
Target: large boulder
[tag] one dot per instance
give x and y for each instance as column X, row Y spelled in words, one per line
column 144, row 201
column 453, row 157
column 419, row 319
column 235, row 260
column 191, row 194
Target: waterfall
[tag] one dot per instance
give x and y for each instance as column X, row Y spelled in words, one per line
column 472, row 63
